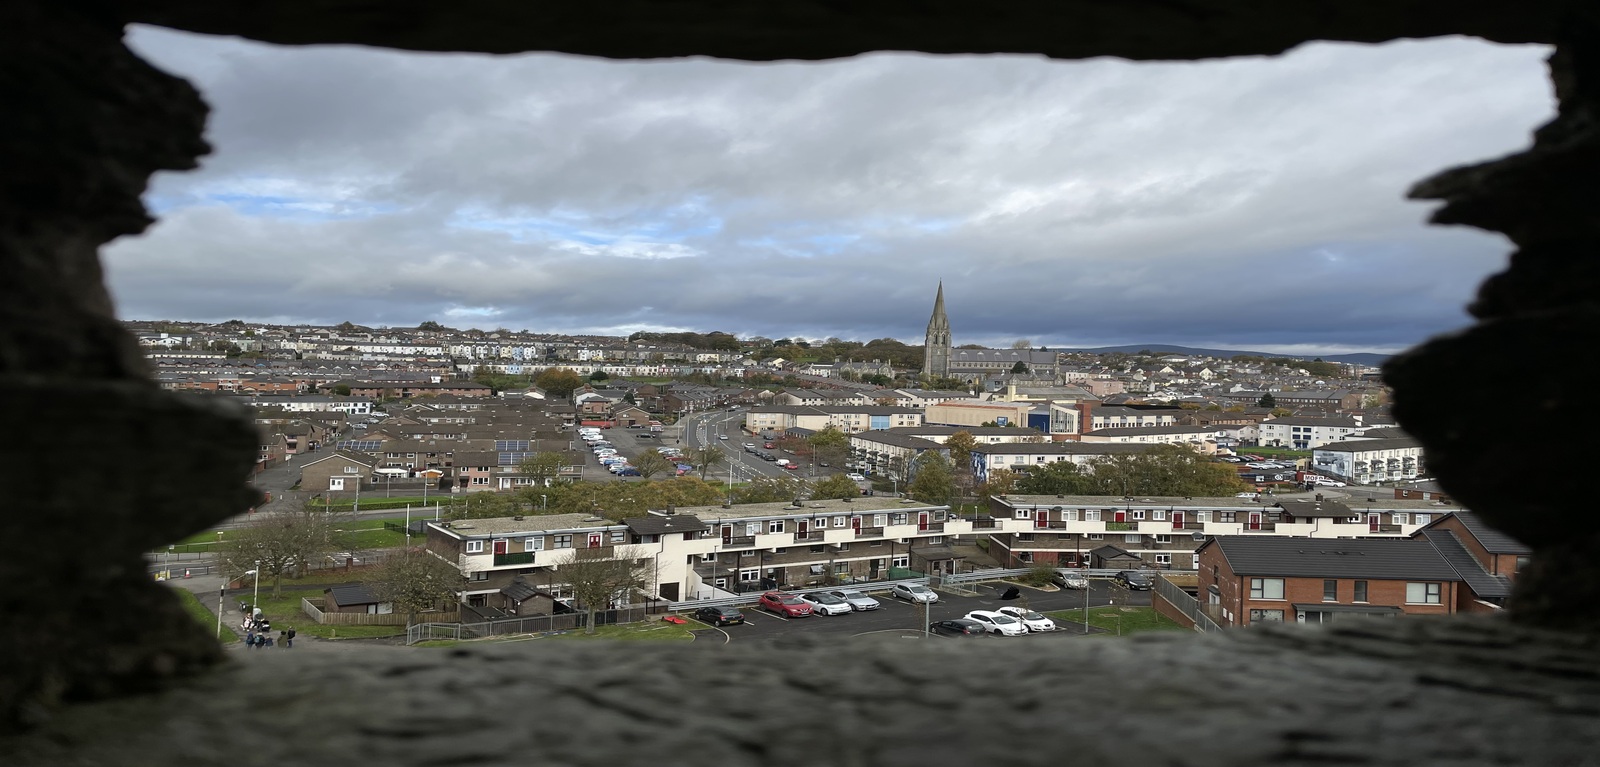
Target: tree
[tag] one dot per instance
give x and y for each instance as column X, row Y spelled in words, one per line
column 1022, row 343
column 1281, row 412
column 413, row 581
column 601, row 577
column 1000, row 482
column 479, row 506
column 599, row 375
column 931, row 479
column 1171, row 470
column 1019, row 367
column 828, row 445
column 961, row 444
column 1056, row 478
column 431, row 325
column 281, row 544
column 705, row 458
column 342, row 390
column 768, row 490
column 559, row 382
column 1267, row 401
column 652, row 462
column 837, row 486
column 544, row 466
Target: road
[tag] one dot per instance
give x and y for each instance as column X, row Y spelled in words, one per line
column 702, row 429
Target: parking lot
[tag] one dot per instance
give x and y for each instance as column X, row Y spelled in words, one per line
column 900, row 618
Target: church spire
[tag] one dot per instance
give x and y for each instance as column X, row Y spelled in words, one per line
column 936, row 344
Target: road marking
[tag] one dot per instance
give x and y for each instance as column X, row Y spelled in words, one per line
column 759, row 611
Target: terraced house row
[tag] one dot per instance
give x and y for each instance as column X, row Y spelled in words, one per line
column 512, row 565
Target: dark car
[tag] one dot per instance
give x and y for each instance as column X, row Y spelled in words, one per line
column 719, row 616
column 960, row 627
column 1133, row 580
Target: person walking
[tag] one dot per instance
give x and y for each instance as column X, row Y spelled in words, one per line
column 249, row 637
column 290, row 641
column 283, row 638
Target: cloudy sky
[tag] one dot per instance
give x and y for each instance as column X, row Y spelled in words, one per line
column 1243, row 204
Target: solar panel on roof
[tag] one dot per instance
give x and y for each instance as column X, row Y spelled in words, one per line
column 361, row 445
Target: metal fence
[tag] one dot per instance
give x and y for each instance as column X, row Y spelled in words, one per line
column 1188, row 605
column 535, row 624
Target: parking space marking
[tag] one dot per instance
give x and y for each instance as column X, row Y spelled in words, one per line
column 774, row 616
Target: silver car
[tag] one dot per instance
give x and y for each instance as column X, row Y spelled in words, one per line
column 913, row 592
column 857, row 600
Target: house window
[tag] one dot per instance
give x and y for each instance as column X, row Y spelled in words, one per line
column 902, row 560
column 840, row 521
column 899, row 517
column 564, row 541
column 1266, row 588
column 1361, row 591
column 617, row 536
column 1091, row 515
column 1225, row 516
column 936, row 539
column 1330, row 590
column 1024, row 536
column 1023, row 514
column 1202, row 516
column 1138, row 514
column 1096, row 537
column 1024, row 556
column 1070, row 515
column 818, row 549
column 747, row 553
column 1133, row 538
column 474, row 547
column 819, row 523
column 844, row 547
column 1401, row 518
column 1522, row 562
column 1164, row 559
column 752, row 528
column 749, row 576
column 536, row 543
column 1423, row 519
column 1266, row 616
column 1159, row 515
column 876, row 543
column 479, row 575
column 1163, row 539
column 879, row 520
column 708, row 557
column 1422, row 593
column 352, row 470
column 775, row 526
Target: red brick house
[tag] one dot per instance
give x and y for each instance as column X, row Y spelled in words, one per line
column 1246, row 579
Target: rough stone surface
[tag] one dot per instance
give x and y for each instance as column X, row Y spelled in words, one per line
column 819, row 29
column 91, row 122
column 1400, row 692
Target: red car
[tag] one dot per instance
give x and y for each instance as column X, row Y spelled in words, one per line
column 770, row 445
column 787, row 605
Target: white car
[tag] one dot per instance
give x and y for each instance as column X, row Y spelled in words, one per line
column 824, row 603
column 856, row 477
column 998, row 623
column 913, row 592
column 1070, row 579
column 1031, row 620
column 857, row 600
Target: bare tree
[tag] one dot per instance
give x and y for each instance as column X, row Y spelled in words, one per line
column 544, row 466
column 650, row 463
column 281, row 544
column 1022, row 343
column 706, row 458
column 414, row 581
column 601, row 577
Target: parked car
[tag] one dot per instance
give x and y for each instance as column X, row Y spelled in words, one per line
column 750, row 446
column 960, row 627
column 1032, row 621
column 719, row 616
column 1247, row 495
column 1070, row 579
column 856, row 477
column 826, row 604
column 913, row 592
column 1134, row 580
column 722, row 436
column 787, row 605
column 770, row 445
column 857, row 600
column 998, row 623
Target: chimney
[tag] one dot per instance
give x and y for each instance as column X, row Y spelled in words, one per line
column 1086, row 417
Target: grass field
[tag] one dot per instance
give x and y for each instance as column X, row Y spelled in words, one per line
column 364, row 534
column 1127, row 620
column 203, row 615
column 644, row 631
column 284, row 612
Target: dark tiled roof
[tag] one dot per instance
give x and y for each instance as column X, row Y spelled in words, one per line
column 1492, row 540
column 351, row 595
column 1369, row 558
column 1112, row 552
column 519, row 590
column 1479, row 580
column 1310, row 507
column 659, row 525
column 1359, row 445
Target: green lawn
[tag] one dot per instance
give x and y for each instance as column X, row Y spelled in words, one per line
column 367, row 534
column 655, row 630
column 203, row 615
column 1132, row 619
column 284, row 612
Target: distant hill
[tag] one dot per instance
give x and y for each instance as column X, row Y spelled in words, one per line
column 1360, row 358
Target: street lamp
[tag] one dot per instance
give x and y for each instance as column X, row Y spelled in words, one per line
column 167, row 564
column 255, row 599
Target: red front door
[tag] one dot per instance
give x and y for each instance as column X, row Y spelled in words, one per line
column 727, row 534
column 922, row 521
column 1041, row 519
column 594, row 540
column 1120, row 516
column 1255, row 520
column 1372, row 523
column 500, row 546
column 802, row 527
column 855, row 524
column 1177, row 520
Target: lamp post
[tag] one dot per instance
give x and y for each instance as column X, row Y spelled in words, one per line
column 167, row 564
column 255, row 599
column 221, row 592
